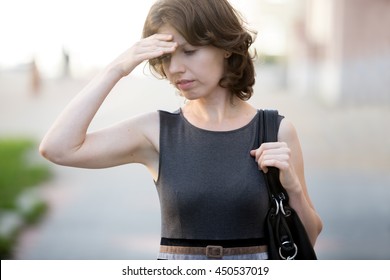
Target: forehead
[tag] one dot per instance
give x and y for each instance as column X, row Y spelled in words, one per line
column 169, row 29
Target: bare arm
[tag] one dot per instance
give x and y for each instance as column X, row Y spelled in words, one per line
column 68, row 141
column 286, row 155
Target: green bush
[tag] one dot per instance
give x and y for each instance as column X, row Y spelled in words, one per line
column 19, row 171
column 6, row 245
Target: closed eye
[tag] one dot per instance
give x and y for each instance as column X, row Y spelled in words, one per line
column 189, row 52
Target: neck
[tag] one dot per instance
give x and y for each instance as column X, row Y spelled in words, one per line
column 214, row 111
column 219, row 116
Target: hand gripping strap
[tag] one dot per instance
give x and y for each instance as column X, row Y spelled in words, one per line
column 268, row 132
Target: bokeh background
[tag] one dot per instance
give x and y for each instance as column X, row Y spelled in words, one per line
column 324, row 64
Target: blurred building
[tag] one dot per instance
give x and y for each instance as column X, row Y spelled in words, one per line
column 337, row 50
column 342, row 51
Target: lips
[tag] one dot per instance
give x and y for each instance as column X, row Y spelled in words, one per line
column 184, row 84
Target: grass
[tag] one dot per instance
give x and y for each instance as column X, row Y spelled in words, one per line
column 19, row 171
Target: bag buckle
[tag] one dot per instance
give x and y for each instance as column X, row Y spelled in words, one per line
column 214, row 251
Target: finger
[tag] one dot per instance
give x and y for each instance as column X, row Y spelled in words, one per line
column 163, row 47
column 280, row 164
column 161, row 36
column 273, row 145
column 269, row 151
column 158, row 47
column 156, row 39
column 256, row 154
column 267, row 146
column 279, row 155
column 278, row 151
column 165, row 44
column 280, row 158
column 151, row 51
column 162, row 41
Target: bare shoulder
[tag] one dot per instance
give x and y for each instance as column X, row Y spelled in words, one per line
column 287, row 132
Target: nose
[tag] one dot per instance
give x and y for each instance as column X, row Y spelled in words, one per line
column 176, row 64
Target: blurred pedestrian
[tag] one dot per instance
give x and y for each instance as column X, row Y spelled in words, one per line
column 66, row 62
column 35, row 78
column 203, row 157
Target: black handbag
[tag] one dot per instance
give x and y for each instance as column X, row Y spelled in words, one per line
column 287, row 237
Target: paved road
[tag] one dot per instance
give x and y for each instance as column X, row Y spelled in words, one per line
column 114, row 213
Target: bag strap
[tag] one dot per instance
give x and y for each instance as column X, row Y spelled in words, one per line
column 269, row 127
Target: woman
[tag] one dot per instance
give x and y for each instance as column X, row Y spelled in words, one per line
column 202, row 157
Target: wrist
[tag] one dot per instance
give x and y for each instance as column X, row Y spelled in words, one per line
column 295, row 191
column 115, row 73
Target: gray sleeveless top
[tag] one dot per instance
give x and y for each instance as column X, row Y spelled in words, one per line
column 209, row 185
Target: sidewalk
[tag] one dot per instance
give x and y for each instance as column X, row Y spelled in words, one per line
column 114, row 213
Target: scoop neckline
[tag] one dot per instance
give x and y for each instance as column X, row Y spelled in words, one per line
column 255, row 117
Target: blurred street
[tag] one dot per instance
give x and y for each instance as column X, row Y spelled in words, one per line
column 114, row 213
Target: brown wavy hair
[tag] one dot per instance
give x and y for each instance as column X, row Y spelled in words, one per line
column 209, row 22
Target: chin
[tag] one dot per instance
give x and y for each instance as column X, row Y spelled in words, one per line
column 190, row 96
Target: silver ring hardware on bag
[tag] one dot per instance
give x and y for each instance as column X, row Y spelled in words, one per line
column 279, row 203
column 277, row 206
column 282, row 208
column 288, row 257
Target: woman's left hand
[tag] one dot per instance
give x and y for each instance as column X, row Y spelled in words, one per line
column 278, row 154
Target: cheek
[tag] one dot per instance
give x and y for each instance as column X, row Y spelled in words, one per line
column 214, row 70
column 219, row 63
column 211, row 66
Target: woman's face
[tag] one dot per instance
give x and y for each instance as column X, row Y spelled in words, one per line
column 194, row 70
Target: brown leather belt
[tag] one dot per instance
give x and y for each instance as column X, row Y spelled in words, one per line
column 212, row 251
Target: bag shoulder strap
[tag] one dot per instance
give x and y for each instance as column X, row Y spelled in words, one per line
column 270, row 125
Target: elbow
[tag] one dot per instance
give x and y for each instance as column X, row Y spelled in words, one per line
column 318, row 230
column 46, row 152
column 319, row 223
column 320, row 226
column 51, row 153
column 57, row 153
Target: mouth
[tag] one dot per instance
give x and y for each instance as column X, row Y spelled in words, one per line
column 184, row 84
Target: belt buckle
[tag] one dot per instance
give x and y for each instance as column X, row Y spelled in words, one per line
column 214, row 251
